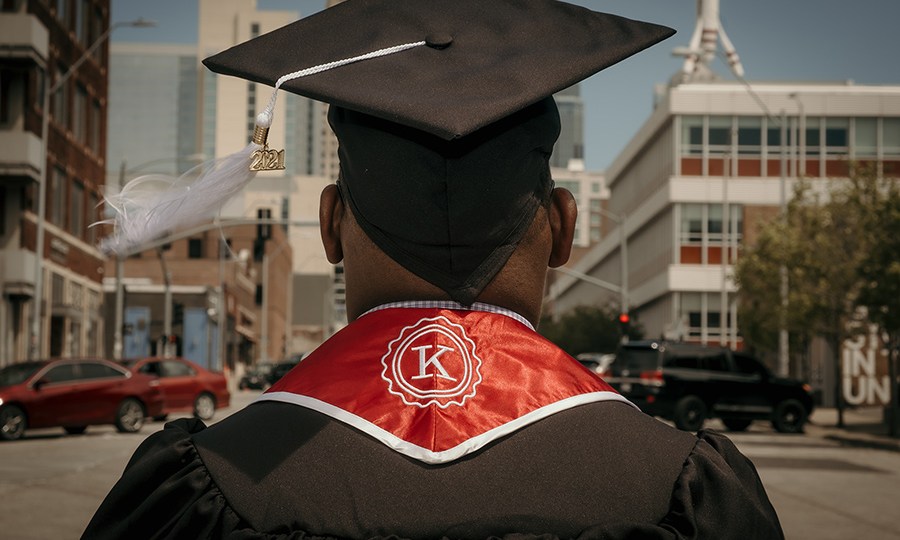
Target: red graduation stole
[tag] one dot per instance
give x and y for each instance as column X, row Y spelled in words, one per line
column 435, row 383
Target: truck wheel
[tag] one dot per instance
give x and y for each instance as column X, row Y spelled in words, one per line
column 690, row 413
column 789, row 416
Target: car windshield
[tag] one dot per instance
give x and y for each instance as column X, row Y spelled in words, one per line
column 18, row 373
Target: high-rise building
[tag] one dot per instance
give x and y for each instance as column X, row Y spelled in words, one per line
column 41, row 42
column 153, row 110
column 568, row 152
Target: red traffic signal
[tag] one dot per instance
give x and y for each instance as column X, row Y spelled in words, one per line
column 624, row 318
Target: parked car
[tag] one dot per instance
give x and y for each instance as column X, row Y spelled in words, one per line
column 74, row 394
column 256, row 377
column 186, row 387
column 597, row 362
column 688, row 383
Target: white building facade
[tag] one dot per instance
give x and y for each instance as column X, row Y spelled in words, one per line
column 717, row 149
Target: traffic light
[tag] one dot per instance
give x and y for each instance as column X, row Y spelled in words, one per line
column 624, row 323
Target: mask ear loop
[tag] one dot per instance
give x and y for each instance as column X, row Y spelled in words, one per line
column 153, row 206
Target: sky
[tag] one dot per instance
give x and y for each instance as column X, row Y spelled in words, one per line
column 777, row 40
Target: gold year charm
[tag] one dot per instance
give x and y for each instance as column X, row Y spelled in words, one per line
column 266, row 159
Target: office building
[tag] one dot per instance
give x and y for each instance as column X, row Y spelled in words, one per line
column 50, row 297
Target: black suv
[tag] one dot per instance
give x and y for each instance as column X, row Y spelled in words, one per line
column 689, row 383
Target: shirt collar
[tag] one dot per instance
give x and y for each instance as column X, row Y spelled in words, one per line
column 449, row 304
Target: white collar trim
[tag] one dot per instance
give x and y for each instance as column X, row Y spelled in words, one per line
column 449, row 304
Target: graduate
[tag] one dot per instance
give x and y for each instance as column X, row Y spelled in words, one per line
column 439, row 411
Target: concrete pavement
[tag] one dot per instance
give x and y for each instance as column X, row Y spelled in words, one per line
column 863, row 427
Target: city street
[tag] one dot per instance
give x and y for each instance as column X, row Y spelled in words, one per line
column 51, row 483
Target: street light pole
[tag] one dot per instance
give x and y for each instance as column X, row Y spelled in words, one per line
column 36, row 313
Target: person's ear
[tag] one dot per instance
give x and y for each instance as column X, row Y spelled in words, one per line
column 331, row 212
column 562, row 215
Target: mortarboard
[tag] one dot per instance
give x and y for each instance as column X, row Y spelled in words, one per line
column 443, row 113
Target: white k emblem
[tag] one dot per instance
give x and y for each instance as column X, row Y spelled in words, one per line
column 432, row 361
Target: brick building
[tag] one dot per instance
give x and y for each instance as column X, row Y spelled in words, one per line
column 39, row 42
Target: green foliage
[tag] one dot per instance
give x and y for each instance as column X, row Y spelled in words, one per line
column 587, row 329
column 880, row 267
column 839, row 248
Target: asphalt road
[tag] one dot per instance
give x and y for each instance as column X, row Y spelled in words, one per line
column 51, row 483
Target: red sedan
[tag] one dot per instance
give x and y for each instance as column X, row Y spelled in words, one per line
column 186, row 387
column 74, row 394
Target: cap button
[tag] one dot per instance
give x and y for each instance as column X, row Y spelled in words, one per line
column 438, row 41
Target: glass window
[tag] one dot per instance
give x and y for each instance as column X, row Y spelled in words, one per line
column 195, row 248
column 151, row 368
column 79, row 114
column 837, row 135
column 96, row 124
column 57, row 196
column 96, row 32
column 172, row 368
column 84, row 26
column 813, row 138
column 747, row 364
column 96, row 370
column 62, row 12
column 749, row 135
column 713, row 321
column 691, row 308
column 719, row 134
column 866, row 137
column 60, row 373
column 92, row 209
column 691, row 223
column 716, row 362
column 60, row 100
column 890, row 128
column 79, row 21
column 688, row 362
column 714, row 222
column 58, row 289
column 17, row 373
column 691, row 135
column 76, row 210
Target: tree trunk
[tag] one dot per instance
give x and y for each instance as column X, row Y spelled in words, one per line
column 894, row 411
column 838, row 378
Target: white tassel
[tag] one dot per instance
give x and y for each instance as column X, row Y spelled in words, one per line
column 154, row 205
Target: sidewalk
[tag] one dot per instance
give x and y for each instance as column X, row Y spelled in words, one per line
column 863, row 427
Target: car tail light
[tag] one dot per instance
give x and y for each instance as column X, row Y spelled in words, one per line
column 807, row 388
column 653, row 378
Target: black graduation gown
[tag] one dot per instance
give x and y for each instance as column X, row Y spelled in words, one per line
column 276, row 470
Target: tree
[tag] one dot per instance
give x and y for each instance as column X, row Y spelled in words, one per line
column 880, row 275
column 587, row 329
column 822, row 245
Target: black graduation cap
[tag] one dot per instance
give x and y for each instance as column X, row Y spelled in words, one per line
column 444, row 144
